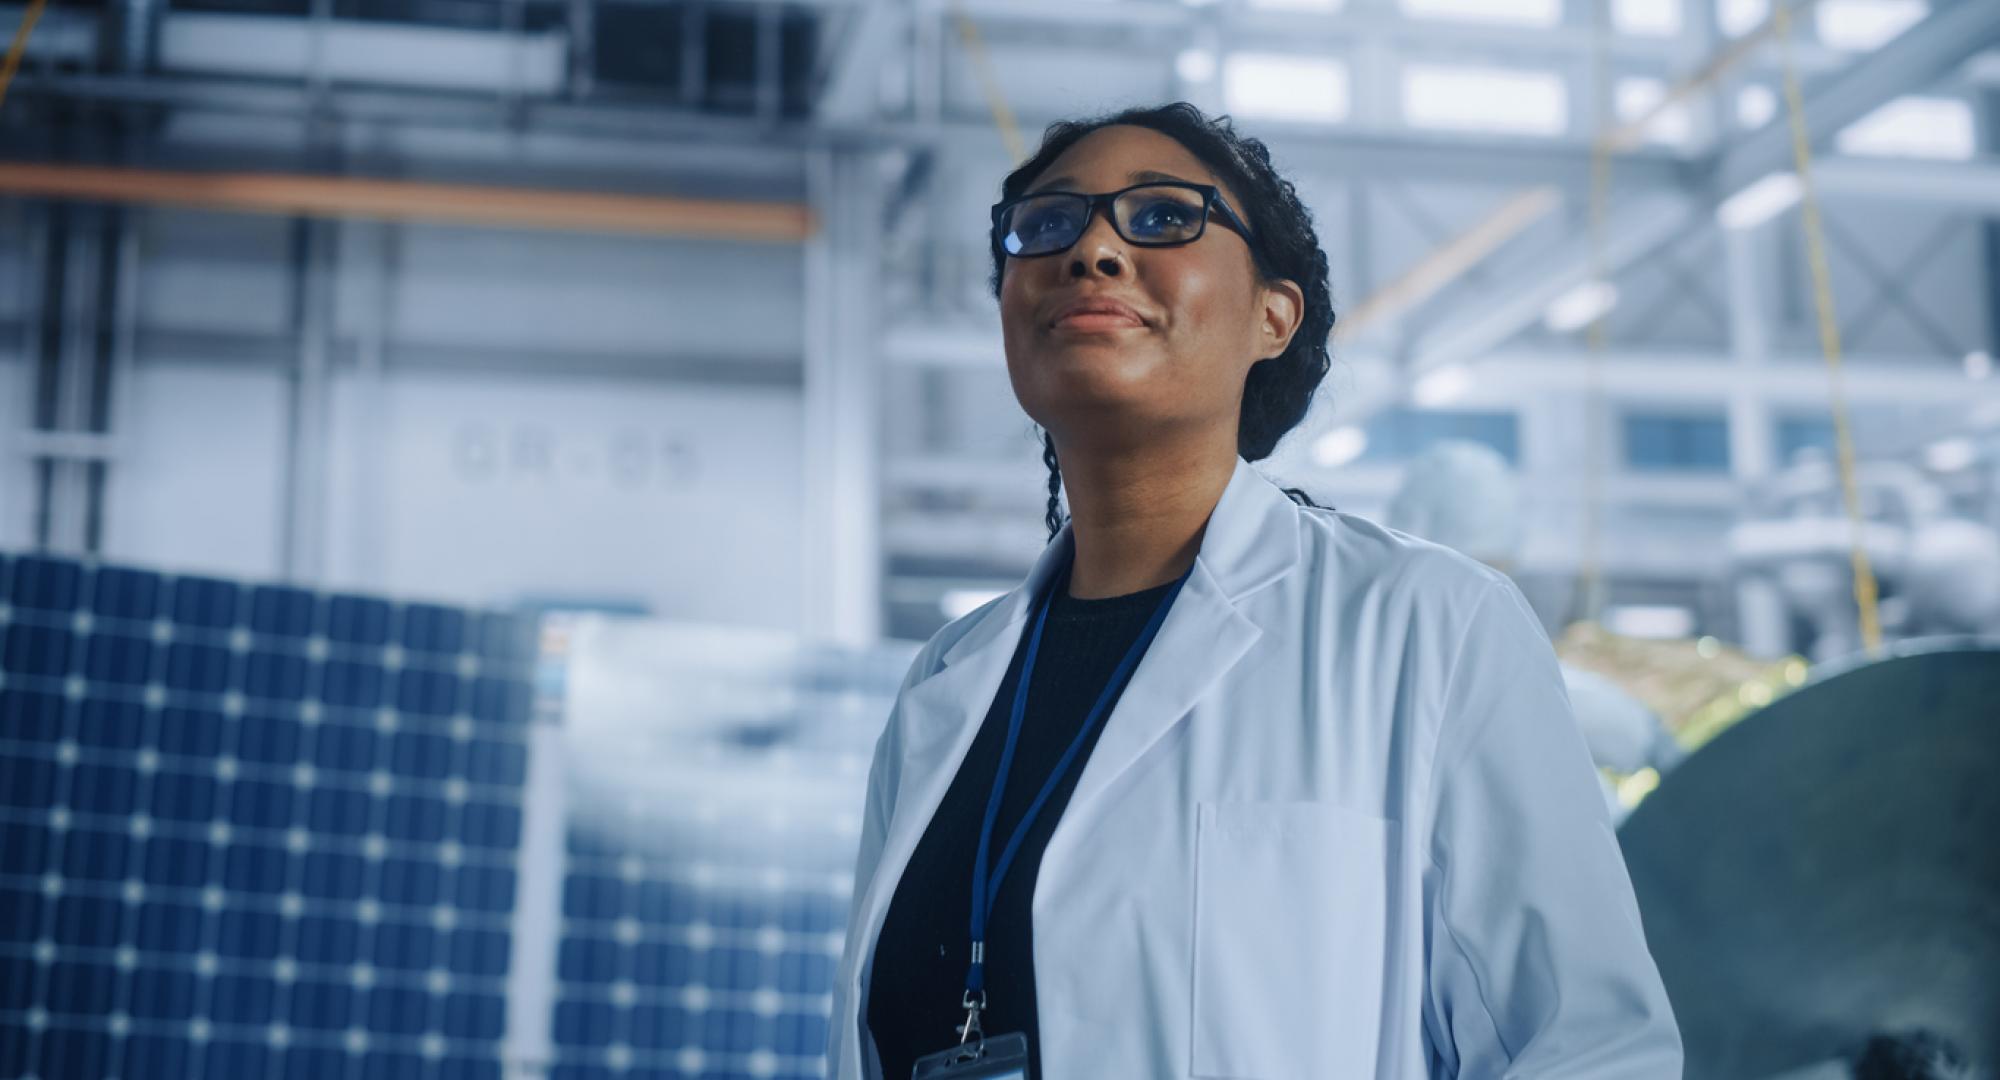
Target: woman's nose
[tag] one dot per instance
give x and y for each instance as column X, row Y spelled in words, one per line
column 1100, row 247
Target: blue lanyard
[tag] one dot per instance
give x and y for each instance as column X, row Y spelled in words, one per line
column 985, row 887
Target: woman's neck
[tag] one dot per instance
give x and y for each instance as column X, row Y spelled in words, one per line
column 1138, row 517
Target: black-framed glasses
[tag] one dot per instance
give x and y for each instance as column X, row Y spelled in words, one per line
column 1155, row 214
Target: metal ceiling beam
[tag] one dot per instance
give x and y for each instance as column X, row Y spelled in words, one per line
column 853, row 79
column 1954, row 31
column 1315, row 149
column 409, row 200
column 1973, row 186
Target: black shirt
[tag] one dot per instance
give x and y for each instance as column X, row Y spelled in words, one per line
column 921, row 956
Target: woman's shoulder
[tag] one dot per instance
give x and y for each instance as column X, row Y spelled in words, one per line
column 1363, row 560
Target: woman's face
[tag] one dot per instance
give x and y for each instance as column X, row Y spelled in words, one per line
column 1199, row 315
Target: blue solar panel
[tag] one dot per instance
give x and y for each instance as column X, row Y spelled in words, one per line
column 252, row 830
column 249, row 830
column 713, row 800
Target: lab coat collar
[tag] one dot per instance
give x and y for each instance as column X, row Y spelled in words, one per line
column 1252, row 540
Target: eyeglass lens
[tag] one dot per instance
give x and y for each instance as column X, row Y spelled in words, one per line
column 1151, row 215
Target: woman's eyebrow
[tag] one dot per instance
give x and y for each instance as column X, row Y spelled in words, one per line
column 1143, row 176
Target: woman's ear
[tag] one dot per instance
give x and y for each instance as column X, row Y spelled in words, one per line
column 1284, row 309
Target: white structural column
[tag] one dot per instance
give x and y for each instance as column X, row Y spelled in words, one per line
column 528, row 1051
column 303, row 557
column 359, row 431
column 842, row 352
column 1747, row 256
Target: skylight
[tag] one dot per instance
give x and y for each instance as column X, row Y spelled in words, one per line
column 1281, row 86
column 1484, row 99
column 1860, row 25
column 1297, row 5
column 1738, row 17
column 1755, row 106
column 1636, row 97
column 1916, row 127
column 1651, row 18
column 1526, row 12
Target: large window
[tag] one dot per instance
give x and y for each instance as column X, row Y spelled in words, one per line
column 1654, row 18
column 1917, row 127
column 1526, row 12
column 1676, row 442
column 1792, row 434
column 1484, row 99
column 1866, row 24
column 1639, row 96
column 1401, row 434
column 1737, row 17
column 1279, row 86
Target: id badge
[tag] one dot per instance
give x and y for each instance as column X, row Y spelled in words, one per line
column 996, row 1057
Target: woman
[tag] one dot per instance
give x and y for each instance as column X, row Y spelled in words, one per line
column 1287, row 794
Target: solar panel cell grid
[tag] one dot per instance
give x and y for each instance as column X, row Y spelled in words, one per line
column 253, row 830
column 232, row 828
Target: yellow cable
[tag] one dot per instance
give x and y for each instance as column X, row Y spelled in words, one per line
column 19, row 47
column 1865, row 592
column 1590, row 569
column 982, row 65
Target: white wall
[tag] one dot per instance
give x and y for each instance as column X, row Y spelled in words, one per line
column 200, row 479
column 480, row 488
column 543, row 290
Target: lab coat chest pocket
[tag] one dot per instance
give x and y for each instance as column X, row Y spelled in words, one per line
column 1290, row 940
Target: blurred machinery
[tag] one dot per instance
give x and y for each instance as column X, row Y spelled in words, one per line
column 1463, row 495
column 1814, row 868
column 1818, row 884
column 1939, row 573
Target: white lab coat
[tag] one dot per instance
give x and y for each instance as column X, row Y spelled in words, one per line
column 1340, row 824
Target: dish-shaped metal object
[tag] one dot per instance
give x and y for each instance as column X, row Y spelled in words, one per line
column 1828, row 869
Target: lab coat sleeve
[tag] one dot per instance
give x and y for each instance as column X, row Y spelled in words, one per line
column 1537, row 962
column 877, row 808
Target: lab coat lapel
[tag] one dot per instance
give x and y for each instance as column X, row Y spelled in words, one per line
column 1251, row 540
column 940, row 717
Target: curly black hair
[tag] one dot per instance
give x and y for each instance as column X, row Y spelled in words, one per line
column 1283, row 245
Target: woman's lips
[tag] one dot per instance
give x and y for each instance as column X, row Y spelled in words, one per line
column 1097, row 321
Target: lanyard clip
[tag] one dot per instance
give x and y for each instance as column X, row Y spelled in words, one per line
column 970, row 1029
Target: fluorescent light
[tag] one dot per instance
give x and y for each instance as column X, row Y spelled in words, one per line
column 1860, row 25
column 1282, row 86
column 1637, row 97
column 958, row 603
column 1755, row 106
column 1484, row 99
column 1650, row 620
column 1738, row 17
column 1651, row 18
column 1580, row 306
column 1916, row 127
column 1978, row 364
column 1195, row 65
column 1950, row 455
column 1761, row 201
column 1442, row 387
column 1297, row 5
column 1339, row 446
column 1525, row 12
